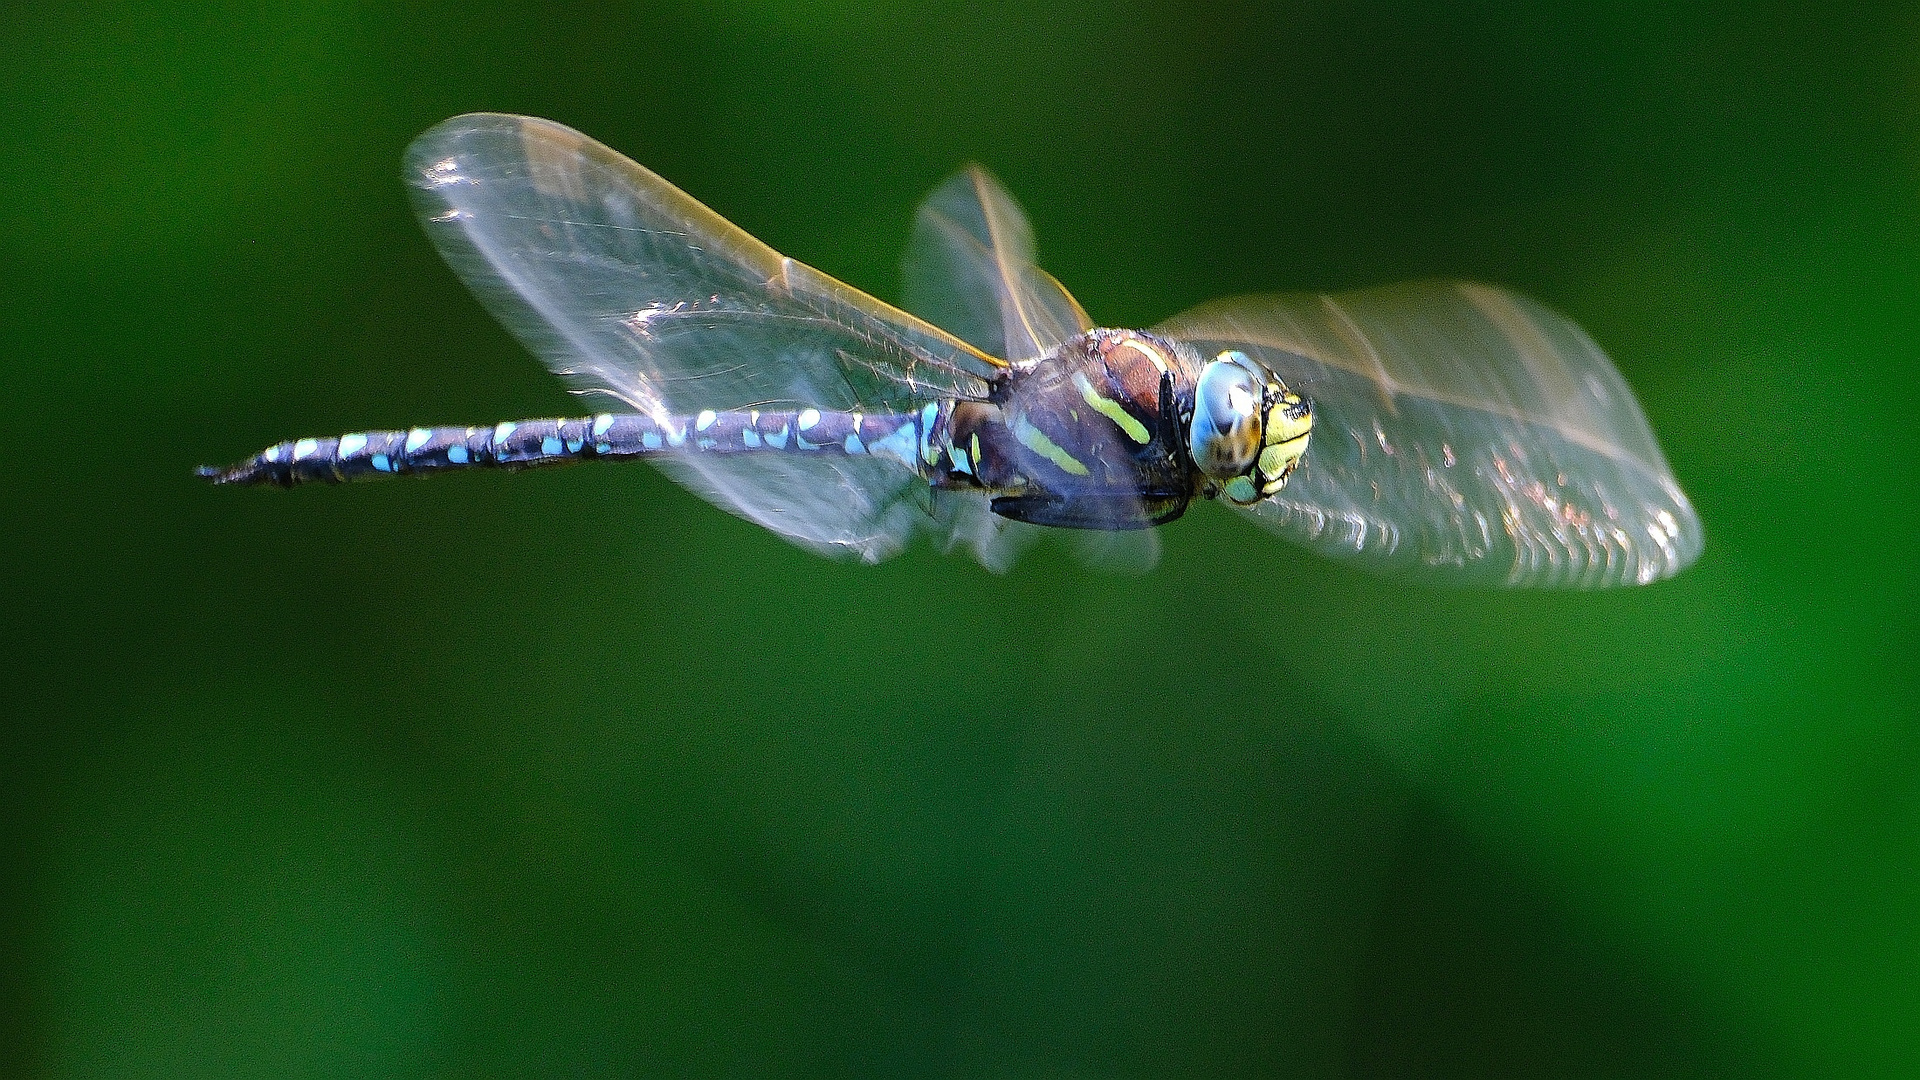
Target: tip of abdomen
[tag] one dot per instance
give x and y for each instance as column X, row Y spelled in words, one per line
column 246, row 472
column 257, row 469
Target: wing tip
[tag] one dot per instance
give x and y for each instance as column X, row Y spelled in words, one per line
column 431, row 160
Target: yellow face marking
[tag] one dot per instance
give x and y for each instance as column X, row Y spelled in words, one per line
column 1036, row 440
column 1154, row 356
column 1112, row 410
column 1277, row 461
column 1282, row 425
column 1289, row 423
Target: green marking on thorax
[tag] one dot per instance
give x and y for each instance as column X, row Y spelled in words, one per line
column 1112, row 410
column 1036, row 440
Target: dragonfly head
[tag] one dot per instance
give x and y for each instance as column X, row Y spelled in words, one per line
column 1248, row 430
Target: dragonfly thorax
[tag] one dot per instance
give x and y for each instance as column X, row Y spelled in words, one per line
column 1091, row 436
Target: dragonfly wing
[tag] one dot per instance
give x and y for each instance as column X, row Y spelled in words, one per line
column 967, row 521
column 866, row 508
column 970, row 268
column 627, row 286
column 1461, row 432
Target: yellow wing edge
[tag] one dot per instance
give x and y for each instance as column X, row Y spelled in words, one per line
column 548, row 142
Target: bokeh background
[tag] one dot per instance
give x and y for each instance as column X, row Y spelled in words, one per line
column 570, row 774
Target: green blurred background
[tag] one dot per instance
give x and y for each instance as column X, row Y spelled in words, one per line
column 571, row 774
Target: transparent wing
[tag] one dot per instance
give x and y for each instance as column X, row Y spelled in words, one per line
column 967, row 521
column 625, row 285
column 969, row 268
column 1461, row 432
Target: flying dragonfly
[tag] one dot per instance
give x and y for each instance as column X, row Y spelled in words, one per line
column 1446, row 430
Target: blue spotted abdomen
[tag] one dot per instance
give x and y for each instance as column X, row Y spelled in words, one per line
column 531, row 443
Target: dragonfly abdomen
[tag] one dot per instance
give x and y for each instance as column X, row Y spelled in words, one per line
column 526, row 444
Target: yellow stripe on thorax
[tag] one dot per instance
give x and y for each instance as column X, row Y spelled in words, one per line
column 1112, row 410
column 1036, row 440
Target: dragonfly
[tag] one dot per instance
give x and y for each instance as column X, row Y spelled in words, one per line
column 1445, row 430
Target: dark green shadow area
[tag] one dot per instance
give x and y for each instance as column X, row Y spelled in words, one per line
column 1477, row 968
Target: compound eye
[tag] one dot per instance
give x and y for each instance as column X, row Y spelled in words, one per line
column 1225, row 436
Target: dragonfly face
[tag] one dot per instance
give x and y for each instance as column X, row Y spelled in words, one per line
column 1459, row 432
column 1249, row 431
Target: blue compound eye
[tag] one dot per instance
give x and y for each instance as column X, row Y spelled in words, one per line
column 1225, row 436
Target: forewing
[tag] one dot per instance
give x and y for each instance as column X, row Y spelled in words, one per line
column 969, row 269
column 1461, row 432
column 627, row 286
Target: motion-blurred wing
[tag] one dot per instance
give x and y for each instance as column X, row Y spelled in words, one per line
column 969, row 269
column 627, row 286
column 1463, row 433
